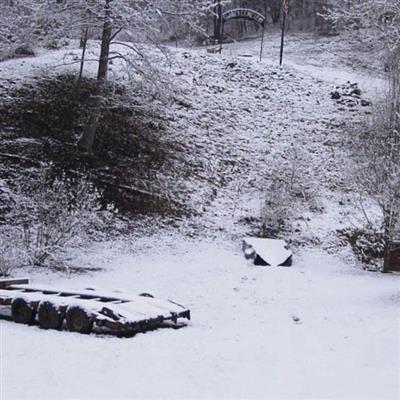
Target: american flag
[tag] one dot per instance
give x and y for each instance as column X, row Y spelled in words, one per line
column 285, row 6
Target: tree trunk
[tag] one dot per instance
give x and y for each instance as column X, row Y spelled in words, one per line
column 86, row 142
column 387, row 232
column 217, row 21
column 84, row 40
column 105, row 43
column 386, row 257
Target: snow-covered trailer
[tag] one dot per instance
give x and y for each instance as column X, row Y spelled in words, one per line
column 81, row 311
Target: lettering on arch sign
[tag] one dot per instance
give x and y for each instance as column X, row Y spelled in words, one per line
column 243, row 13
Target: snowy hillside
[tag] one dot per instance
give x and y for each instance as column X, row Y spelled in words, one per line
column 324, row 328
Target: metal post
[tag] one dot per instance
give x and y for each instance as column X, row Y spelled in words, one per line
column 84, row 42
column 221, row 39
column 220, row 25
column 283, row 37
column 262, row 41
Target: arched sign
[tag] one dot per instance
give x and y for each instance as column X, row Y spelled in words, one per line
column 243, row 13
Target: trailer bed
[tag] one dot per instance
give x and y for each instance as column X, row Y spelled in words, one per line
column 83, row 310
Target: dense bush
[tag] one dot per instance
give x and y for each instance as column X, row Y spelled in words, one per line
column 51, row 107
column 129, row 150
column 368, row 245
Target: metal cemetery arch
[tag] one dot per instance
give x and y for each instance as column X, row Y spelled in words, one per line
column 244, row 13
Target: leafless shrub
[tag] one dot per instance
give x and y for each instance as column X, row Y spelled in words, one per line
column 51, row 214
column 289, row 190
column 12, row 255
column 377, row 163
column 7, row 261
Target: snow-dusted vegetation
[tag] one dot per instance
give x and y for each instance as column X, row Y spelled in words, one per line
column 142, row 141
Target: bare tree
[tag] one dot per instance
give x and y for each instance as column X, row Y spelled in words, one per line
column 378, row 163
column 381, row 17
column 378, row 148
column 139, row 22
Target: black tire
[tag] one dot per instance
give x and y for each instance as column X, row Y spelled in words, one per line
column 78, row 320
column 49, row 316
column 22, row 312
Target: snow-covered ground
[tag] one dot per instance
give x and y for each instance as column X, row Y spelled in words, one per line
column 317, row 330
column 323, row 328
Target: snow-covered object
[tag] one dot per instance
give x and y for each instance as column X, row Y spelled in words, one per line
column 126, row 314
column 273, row 252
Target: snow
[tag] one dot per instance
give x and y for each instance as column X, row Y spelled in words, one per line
column 321, row 329
column 243, row 341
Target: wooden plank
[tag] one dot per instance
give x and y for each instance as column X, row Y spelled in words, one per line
column 5, row 282
column 93, row 295
column 5, row 301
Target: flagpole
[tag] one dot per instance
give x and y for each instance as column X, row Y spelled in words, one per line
column 262, row 41
column 220, row 26
column 284, row 9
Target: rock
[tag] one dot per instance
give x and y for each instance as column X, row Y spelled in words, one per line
column 232, row 65
column 365, row 103
column 335, row 95
column 296, row 319
column 24, row 51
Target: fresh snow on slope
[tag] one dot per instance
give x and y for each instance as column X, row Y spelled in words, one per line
column 320, row 329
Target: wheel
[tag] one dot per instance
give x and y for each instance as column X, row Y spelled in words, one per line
column 49, row 316
column 22, row 312
column 78, row 320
